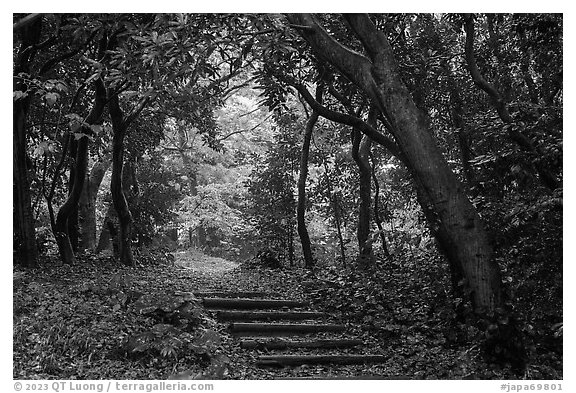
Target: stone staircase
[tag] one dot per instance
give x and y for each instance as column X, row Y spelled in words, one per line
column 286, row 330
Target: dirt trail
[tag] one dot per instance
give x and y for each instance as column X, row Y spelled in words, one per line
column 202, row 263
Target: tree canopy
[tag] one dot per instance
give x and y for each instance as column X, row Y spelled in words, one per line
column 347, row 145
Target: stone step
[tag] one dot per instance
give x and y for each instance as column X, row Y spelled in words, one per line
column 250, row 304
column 298, row 360
column 350, row 377
column 268, row 315
column 310, row 344
column 235, row 294
column 275, row 328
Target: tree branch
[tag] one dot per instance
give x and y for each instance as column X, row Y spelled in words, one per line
column 477, row 77
column 353, row 65
column 136, row 111
column 52, row 62
column 352, row 121
column 28, row 19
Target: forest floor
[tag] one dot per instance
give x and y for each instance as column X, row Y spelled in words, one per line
column 96, row 320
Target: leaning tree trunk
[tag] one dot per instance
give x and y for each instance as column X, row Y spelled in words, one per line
column 465, row 240
column 463, row 235
column 301, row 206
column 26, row 252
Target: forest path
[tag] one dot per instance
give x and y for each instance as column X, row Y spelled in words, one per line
column 297, row 340
column 201, row 263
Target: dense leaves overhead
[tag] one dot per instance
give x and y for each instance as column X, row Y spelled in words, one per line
column 212, row 111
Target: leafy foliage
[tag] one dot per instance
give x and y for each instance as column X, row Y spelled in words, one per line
column 99, row 320
column 213, row 160
column 153, row 207
column 271, row 188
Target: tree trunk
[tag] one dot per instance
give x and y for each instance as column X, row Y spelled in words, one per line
column 71, row 204
column 301, row 205
column 26, row 251
column 87, row 204
column 119, row 201
column 360, row 153
column 105, row 235
column 65, row 217
column 452, row 215
column 377, row 218
column 24, row 242
column 120, row 124
column 73, row 223
column 110, row 226
column 465, row 240
column 116, row 184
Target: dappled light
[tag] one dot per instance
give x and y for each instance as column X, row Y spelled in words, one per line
column 288, row 196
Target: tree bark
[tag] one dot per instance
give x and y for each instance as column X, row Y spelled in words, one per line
column 119, row 201
column 465, row 240
column 377, row 218
column 26, row 251
column 110, row 227
column 452, row 217
column 70, row 205
column 301, row 205
column 360, row 154
column 24, row 242
column 73, row 224
column 116, row 184
column 105, row 235
column 120, row 124
column 87, row 204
